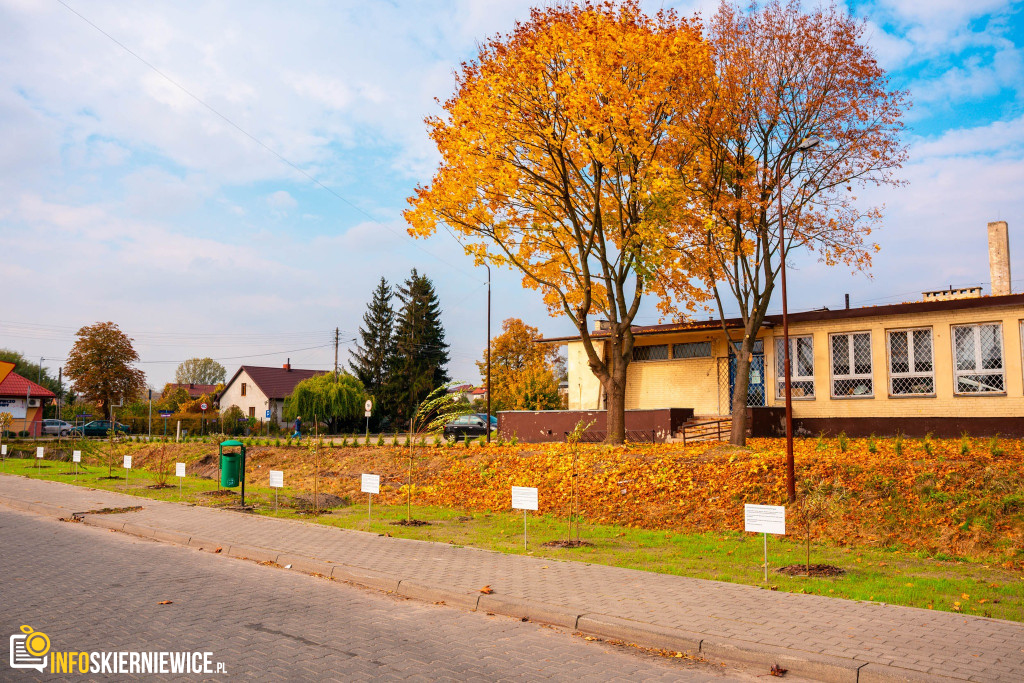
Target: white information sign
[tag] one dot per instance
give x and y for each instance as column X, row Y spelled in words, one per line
column 179, row 469
column 127, row 462
column 3, row 449
column 524, row 498
column 277, row 479
column 764, row 519
column 371, row 484
column 76, row 456
column 39, row 452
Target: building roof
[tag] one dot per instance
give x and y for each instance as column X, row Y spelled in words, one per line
column 194, row 390
column 14, row 385
column 274, row 382
column 818, row 315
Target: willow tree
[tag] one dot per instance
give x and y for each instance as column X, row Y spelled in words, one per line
column 327, row 397
column 553, row 150
column 801, row 109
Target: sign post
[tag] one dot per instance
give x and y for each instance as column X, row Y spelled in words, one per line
column 276, row 482
column 127, row 466
column 202, row 407
column 367, row 409
column 765, row 519
column 524, row 498
column 76, row 457
column 39, row 456
column 370, row 486
column 179, row 472
column 165, row 414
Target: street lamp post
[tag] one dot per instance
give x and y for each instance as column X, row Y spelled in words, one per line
column 805, row 145
column 488, row 352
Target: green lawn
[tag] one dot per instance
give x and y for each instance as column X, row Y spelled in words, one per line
column 878, row 575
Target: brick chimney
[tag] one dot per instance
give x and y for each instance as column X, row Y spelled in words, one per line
column 999, row 257
column 288, row 366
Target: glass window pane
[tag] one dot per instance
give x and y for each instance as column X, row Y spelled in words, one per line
column 922, row 350
column 862, row 354
column 963, row 341
column 899, row 354
column 805, row 357
column 840, row 355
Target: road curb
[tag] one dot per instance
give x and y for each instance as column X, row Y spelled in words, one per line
column 800, row 663
column 366, row 578
column 464, row 599
column 528, row 609
column 648, row 635
column 881, row 673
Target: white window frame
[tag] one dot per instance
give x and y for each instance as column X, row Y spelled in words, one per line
column 852, row 376
column 908, row 333
column 978, row 359
column 780, row 370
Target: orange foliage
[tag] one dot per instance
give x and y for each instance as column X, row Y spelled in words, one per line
column 945, row 501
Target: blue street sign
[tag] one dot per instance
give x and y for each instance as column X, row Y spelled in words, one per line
column 268, row 414
column 165, row 413
column 84, row 415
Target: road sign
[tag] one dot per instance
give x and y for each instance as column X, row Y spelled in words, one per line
column 165, row 414
column 368, row 408
column 83, row 415
column 268, row 414
column 764, row 519
column 524, row 498
column 371, row 483
column 202, row 406
column 277, row 479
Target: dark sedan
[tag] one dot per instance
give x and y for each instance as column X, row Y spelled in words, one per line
column 100, row 428
column 466, row 427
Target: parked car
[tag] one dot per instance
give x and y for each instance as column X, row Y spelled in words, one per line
column 56, row 427
column 465, row 427
column 99, row 428
column 494, row 419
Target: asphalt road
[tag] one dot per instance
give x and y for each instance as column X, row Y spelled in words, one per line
column 99, row 591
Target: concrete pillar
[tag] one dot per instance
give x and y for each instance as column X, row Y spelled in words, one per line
column 999, row 257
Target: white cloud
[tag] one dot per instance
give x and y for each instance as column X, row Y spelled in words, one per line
column 281, row 200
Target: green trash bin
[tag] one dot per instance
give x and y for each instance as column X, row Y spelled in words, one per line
column 231, row 464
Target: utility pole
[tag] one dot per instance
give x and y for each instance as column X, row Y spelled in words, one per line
column 336, row 331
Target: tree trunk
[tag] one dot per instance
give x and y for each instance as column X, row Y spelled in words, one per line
column 741, row 386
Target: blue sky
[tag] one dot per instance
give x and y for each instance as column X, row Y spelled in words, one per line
column 127, row 200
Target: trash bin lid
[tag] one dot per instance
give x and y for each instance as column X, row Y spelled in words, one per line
column 231, row 442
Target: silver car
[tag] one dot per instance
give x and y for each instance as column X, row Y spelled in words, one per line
column 57, row 427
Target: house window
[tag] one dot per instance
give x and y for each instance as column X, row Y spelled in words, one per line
column 243, row 388
column 692, row 350
column 851, row 365
column 801, row 366
column 978, row 358
column 911, row 363
column 642, row 353
column 252, row 411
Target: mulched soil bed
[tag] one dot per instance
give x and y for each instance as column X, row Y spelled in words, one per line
column 324, row 501
column 566, row 544
column 410, row 522
column 219, row 493
column 112, row 511
column 816, row 570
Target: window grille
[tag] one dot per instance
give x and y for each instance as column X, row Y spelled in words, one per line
column 644, row 353
column 801, row 366
column 243, row 388
column 692, row 350
column 978, row 353
column 851, row 365
column 911, row 363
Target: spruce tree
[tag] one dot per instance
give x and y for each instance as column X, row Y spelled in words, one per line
column 420, row 353
column 372, row 356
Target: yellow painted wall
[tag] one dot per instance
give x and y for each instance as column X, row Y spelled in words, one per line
column 702, row 383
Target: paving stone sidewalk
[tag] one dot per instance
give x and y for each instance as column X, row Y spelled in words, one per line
column 815, row 636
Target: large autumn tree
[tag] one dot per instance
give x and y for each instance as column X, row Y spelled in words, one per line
column 100, row 366
column 523, row 371
column 799, row 107
column 553, row 149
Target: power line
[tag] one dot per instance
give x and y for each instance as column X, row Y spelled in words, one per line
column 259, row 142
